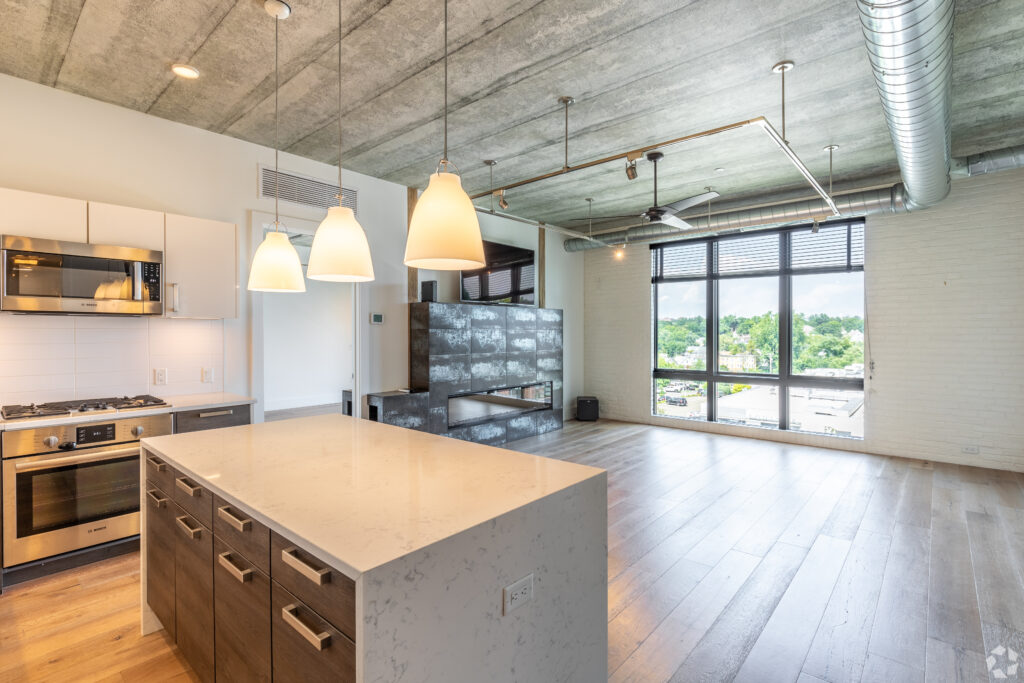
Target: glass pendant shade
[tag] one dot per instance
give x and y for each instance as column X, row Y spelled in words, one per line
column 444, row 233
column 276, row 266
column 340, row 251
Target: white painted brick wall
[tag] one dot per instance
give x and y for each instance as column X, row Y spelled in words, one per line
column 945, row 311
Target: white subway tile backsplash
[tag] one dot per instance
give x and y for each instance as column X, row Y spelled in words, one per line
column 54, row 358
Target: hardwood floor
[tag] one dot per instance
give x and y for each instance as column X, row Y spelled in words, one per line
column 728, row 559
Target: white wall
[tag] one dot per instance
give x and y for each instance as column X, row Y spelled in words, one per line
column 945, row 315
column 563, row 273
column 944, row 295
column 64, row 144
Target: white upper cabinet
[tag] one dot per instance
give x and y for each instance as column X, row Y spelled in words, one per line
column 42, row 216
column 123, row 226
column 200, row 268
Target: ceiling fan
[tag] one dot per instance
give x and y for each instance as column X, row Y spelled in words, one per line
column 663, row 214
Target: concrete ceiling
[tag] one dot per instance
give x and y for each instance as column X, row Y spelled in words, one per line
column 641, row 71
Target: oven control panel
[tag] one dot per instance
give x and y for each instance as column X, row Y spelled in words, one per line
column 39, row 440
column 95, row 433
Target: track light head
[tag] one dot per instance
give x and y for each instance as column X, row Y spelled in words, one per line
column 502, row 202
column 631, row 170
column 620, row 253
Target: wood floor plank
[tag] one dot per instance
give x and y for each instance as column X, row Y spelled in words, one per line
column 878, row 669
column 947, row 664
column 953, row 615
column 1000, row 591
column 675, row 637
column 739, row 625
column 780, row 650
column 900, row 627
column 839, row 649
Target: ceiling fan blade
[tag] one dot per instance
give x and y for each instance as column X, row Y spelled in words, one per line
column 683, row 204
column 676, row 222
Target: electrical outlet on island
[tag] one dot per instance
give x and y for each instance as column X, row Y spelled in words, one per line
column 517, row 594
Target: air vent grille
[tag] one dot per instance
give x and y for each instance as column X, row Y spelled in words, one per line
column 307, row 191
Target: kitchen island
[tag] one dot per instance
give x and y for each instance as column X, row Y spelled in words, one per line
column 331, row 548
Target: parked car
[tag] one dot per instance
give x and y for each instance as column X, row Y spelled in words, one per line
column 675, row 400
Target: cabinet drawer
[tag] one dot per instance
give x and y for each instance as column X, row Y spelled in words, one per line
column 241, row 607
column 160, row 540
column 307, row 649
column 159, row 472
column 193, row 594
column 326, row 590
column 193, row 498
column 241, row 532
column 211, row 418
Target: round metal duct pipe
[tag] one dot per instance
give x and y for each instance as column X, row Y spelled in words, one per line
column 887, row 200
column 910, row 46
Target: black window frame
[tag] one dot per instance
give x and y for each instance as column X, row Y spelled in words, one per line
column 784, row 379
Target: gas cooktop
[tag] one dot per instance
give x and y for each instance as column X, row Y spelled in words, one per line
column 81, row 406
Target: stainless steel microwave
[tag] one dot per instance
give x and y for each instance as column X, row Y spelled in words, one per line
column 48, row 276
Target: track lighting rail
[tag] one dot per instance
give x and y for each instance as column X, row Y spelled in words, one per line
column 634, row 154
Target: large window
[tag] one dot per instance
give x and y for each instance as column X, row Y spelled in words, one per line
column 785, row 345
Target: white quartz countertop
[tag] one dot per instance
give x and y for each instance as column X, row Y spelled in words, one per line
column 360, row 494
column 175, row 404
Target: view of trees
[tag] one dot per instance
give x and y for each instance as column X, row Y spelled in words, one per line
column 819, row 341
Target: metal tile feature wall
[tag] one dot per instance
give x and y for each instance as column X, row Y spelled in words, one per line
column 463, row 348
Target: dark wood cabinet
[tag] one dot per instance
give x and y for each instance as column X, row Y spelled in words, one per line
column 241, row 617
column 212, row 418
column 160, row 473
column 160, row 555
column 307, row 649
column 325, row 589
column 193, row 594
column 243, row 533
column 194, row 499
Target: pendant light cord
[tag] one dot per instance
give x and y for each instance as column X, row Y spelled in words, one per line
column 277, row 88
column 444, row 158
column 339, row 103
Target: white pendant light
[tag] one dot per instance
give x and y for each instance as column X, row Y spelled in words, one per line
column 275, row 265
column 444, row 233
column 340, row 252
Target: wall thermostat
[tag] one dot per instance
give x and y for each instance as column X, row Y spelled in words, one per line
column 376, row 318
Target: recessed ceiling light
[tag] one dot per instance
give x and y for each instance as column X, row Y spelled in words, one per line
column 185, row 71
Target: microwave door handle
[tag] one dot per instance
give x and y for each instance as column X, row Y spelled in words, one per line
column 136, row 281
column 74, row 459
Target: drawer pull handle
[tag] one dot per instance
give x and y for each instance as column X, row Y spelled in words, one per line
column 317, row 576
column 191, row 490
column 238, row 523
column 242, row 575
column 318, row 640
column 157, row 464
column 157, row 500
column 216, row 413
column 189, row 531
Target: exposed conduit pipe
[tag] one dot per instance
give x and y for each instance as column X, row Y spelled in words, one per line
column 866, row 203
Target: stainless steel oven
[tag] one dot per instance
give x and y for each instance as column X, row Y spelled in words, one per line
column 72, row 486
column 47, row 276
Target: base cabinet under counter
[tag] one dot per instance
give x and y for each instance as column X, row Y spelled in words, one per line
column 231, row 619
column 212, row 418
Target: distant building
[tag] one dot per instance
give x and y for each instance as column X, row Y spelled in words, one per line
column 741, row 362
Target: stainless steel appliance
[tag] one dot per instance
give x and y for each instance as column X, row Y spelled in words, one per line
column 47, row 276
column 81, row 406
column 73, row 485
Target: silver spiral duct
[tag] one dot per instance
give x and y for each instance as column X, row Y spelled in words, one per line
column 910, row 46
column 887, row 200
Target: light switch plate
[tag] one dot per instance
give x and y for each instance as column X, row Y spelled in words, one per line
column 517, row 594
column 207, row 375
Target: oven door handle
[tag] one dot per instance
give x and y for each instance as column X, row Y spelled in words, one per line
column 74, row 459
